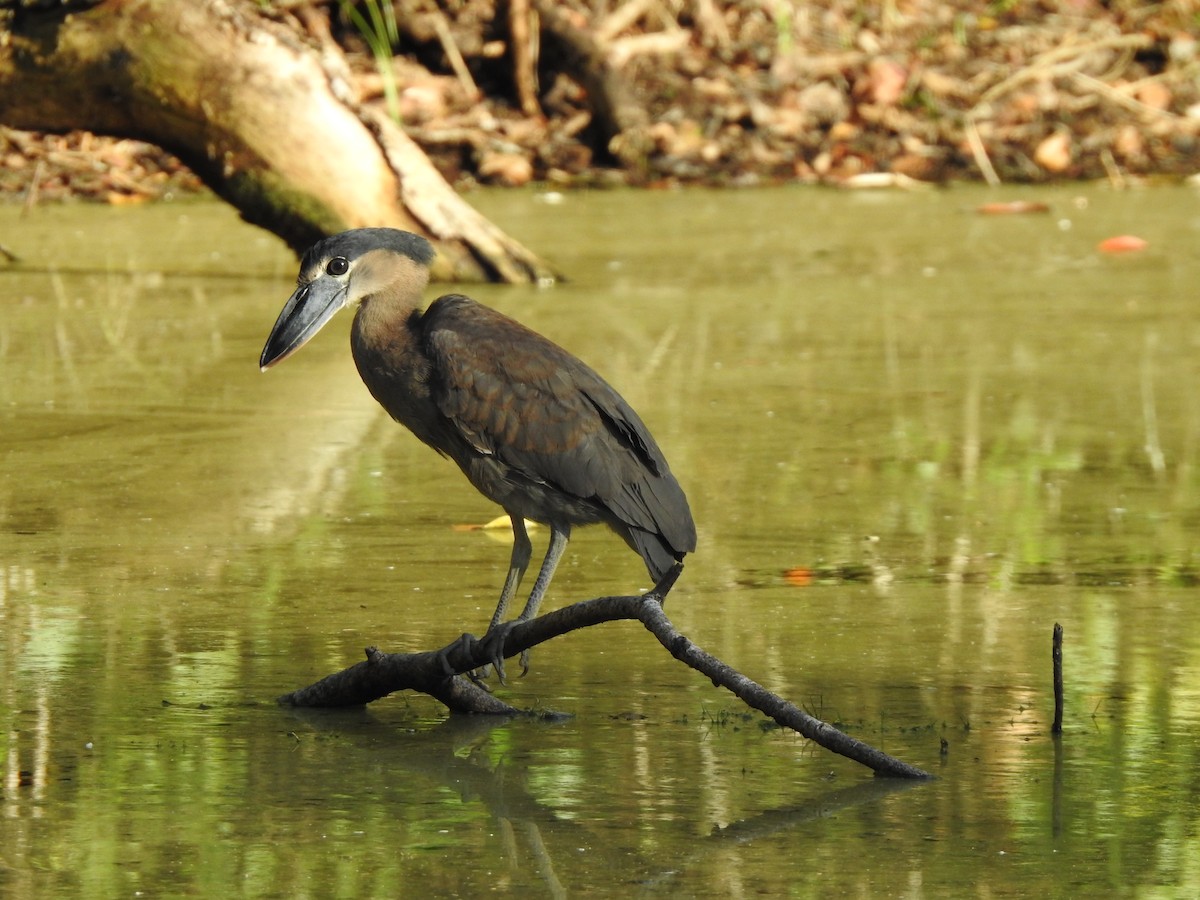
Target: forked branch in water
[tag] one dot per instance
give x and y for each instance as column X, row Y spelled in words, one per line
column 384, row 673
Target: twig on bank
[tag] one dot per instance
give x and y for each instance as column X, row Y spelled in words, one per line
column 525, row 41
column 454, row 55
column 1121, row 96
column 1065, row 60
column 979, row 152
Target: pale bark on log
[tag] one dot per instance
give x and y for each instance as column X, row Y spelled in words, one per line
column 268, row 122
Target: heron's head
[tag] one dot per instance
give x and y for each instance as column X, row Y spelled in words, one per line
column 341, row 271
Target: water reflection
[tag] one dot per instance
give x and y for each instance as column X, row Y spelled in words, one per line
column 951, row 431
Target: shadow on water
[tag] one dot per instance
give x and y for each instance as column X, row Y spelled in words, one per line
column 913, row 439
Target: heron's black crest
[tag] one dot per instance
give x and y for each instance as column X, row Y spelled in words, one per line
column 353, row 244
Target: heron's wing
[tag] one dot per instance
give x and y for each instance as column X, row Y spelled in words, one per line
column 519, row 397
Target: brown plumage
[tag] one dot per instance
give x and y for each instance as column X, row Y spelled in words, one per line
column 533, row 428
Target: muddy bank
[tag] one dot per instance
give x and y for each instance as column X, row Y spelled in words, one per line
column 658, row 92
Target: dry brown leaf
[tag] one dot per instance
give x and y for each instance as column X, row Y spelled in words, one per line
column 1054, row 153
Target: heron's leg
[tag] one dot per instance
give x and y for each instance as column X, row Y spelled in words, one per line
column 521, row 553
column 559, row 535
column 494, row 638
column 558, row 543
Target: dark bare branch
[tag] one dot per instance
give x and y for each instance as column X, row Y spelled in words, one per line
column 785, row 714
column 384, row 673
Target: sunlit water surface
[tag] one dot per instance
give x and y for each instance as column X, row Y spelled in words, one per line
column 914, row 438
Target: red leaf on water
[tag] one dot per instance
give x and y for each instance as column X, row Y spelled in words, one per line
column 1122, row 243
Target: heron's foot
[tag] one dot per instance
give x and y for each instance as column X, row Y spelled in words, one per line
column 465, row 643
column 492, row 644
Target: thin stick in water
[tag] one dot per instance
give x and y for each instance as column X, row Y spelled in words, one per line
column 1056, row 656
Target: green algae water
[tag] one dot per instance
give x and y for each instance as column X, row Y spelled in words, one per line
column 914, row 438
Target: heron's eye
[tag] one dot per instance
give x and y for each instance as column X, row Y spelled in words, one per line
column 338, row 266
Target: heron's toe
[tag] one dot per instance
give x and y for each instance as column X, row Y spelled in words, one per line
column 492, row 646
column 524, row 663
column 464, row 644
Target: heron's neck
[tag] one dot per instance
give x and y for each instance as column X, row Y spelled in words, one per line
column 382, row 318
